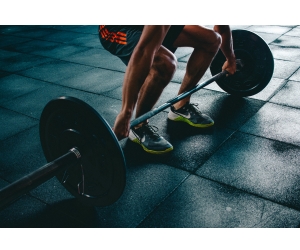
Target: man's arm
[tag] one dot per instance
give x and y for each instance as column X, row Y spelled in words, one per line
column 227, row 47
column 138, row 69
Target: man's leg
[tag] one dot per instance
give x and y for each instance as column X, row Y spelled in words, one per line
column 206, row 43
column 161, row 73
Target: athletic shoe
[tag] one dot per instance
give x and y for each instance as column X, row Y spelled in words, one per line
column 150, row 141
column 190, row 114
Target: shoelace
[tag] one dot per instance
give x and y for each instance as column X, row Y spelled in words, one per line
column 151, row 130
column 193, row 107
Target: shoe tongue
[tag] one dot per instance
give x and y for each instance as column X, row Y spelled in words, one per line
column 151, row 131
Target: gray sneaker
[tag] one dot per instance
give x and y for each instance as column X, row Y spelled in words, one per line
column 150, row 141
column 190, row 114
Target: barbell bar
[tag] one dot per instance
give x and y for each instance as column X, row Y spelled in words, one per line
column 82, row 150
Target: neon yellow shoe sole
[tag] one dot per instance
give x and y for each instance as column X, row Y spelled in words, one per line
column 152, row 151
column 182, row 119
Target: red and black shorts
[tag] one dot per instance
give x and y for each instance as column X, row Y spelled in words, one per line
column 120, row 40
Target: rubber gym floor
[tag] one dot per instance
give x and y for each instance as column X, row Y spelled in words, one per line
column 242, row 173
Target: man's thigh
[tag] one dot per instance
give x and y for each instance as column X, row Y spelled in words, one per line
column 195, row 36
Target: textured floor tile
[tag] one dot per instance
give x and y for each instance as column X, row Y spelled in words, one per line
column 95, row 80
column 10, row 29
column 294, row 32
column 199, row 203
column 192, row 146
column 182, row 52
column 37, row 32
column 54, row 70
column 107, row 107
column 98, row 58
column 87, row 29
column 28, row 212
column 274, row 29
column 275, row 122
column 60, row 36
column 73, row 28
column 4, row 54
column 12, row 123
column 270, row 90
column 268, row 37
column 232, row 27
column 32, row 46
column 260, row 166
column 3, row 183
column 226, row 110
column 21, row 62
column 14, row 86
column 147, row 185
column 284, row 69
column 288, row 95
column 6, row 40
column 87, row 40
column 285, row 53
column 287, row 41
column 296, row 76
column 45, row 48
column 181, row 70
column 4, row 73
column 21, row 154
column 236, row 27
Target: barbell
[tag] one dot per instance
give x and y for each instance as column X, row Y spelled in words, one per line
column 83, row 152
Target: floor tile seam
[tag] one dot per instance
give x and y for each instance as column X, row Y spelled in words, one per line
column 293, row 74
column 180, row 58
column 270, row 139
column 19, row 113
column 292, row 35
column 19, row 73
column 281, row 34
column 17, row 133
column 21, row 95
column 214, row 151
column 81, row 64
column 249, row 193
column 282, row 105
column 162, row 201
column 285, row 47
column 19, row 43
column 277, row 90
column 44, row 63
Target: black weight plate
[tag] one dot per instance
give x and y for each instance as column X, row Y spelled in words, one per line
column 67, row 122
column 258, row 67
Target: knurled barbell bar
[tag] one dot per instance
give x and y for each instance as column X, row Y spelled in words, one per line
column 83, row 151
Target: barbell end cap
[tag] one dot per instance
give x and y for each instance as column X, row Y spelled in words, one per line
column 76, row 152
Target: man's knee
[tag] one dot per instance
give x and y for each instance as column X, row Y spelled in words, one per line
column 164, row 66
column 218, row 42
column 215, row 41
